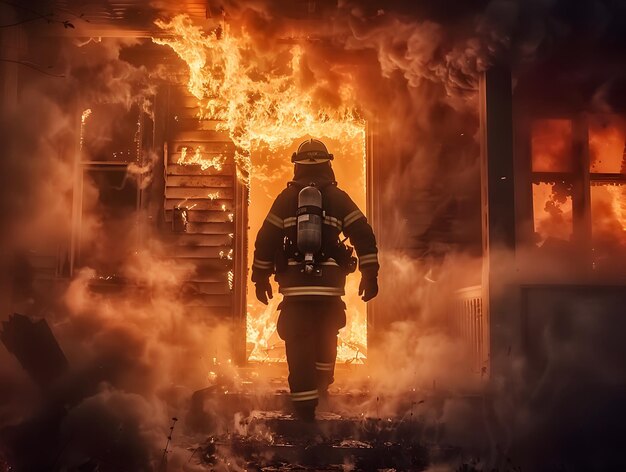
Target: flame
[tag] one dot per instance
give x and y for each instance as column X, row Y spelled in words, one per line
column 617, row 198
column 607, row 139
column 85, row 115
column 262, row 102
column 83, row 119
column 255, row 98
column 552, row 209
column 553, row 152
column 551, row 145
column 216, row 162
column 226, row 255
column 607, row 154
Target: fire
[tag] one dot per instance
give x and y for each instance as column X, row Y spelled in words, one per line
column 226, row 255
column 551, row 146
column 85, row 115
column 231, row 279
column 607, row 153
column 264, row 104
column 216, row 162
column 552, row 204
column 618, row 204
column 257, row 99
column 553, row 153
column 83, row 119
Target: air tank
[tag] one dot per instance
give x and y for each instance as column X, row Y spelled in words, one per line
column 309, row 219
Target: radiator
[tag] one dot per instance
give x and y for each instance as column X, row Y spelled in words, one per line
column 469, row 323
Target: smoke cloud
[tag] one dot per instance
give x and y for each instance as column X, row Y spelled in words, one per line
column 136, row 355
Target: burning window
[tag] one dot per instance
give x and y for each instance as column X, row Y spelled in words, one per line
column 552, row 207
column 110, row 134
column 607, row 167
column 572, row 201
column 265, row 105
column 551, row 146
column 111, row 200
column 606, row 144
column 274, row 170
column 110, row 141
column 552, row 163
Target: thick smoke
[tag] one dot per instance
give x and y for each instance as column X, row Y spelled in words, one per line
column 135, row 354
column 136, row 357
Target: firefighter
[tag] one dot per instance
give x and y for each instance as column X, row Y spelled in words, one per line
column 299, row 242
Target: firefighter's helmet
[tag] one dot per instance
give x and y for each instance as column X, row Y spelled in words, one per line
column 311, row 151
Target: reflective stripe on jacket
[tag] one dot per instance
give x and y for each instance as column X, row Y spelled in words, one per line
column 340, row 215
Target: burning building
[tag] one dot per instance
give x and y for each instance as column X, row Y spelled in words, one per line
column 145, row 142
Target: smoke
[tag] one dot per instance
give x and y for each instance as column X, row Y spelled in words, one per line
column 136, row 352
column 137, row 355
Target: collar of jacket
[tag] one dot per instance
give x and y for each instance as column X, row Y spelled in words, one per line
column 319, row 174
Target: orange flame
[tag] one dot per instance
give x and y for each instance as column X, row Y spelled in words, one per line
column 216, row 162
column 255, row 98
column 263, row 105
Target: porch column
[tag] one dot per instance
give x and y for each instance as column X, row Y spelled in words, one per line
column 498, row 214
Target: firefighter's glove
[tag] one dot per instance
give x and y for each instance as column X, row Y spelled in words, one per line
column 368, row 288
column 263, row 291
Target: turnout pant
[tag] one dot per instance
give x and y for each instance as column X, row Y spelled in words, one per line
column 309, row 329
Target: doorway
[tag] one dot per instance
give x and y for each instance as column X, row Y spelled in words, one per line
column 271, row 170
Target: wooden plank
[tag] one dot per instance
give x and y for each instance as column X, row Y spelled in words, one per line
column 208, row 152
column 203, row 216
column 208, row 288
column 179, row 113
column 176, row 145
column 185, row 239
column 187, row 120
column 211, row 269
column 200, row 136
column 210, row 228
column 209, row 300
column 215, row 205
column 199, row 193
column 194, row 169
column 204, row 252
column 185, row 100
column 209, row 314
column 215, row 163
column 199, row 181
column 210, row 277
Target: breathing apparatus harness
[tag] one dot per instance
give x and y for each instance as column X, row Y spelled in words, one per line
column 308, row 248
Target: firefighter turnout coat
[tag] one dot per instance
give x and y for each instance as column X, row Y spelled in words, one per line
column 275, row 243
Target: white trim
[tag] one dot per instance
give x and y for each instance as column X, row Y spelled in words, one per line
column 312, row 290
column 368, row 259
column 304, row 396
column 260, row 264
column 352, row 217
column 274, row 220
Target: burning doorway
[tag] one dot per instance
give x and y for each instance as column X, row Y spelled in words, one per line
column 271, row 170
column 260, row 107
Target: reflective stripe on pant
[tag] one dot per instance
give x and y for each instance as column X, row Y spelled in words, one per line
column 309, row 329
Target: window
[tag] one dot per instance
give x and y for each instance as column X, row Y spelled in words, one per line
column 109, row 189
column 552, row 162
column 607, row 176
column 578, row 174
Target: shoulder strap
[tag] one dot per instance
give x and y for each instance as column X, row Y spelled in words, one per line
column 300, row 185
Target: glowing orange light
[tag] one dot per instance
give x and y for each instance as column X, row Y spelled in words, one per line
column 261, row 102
